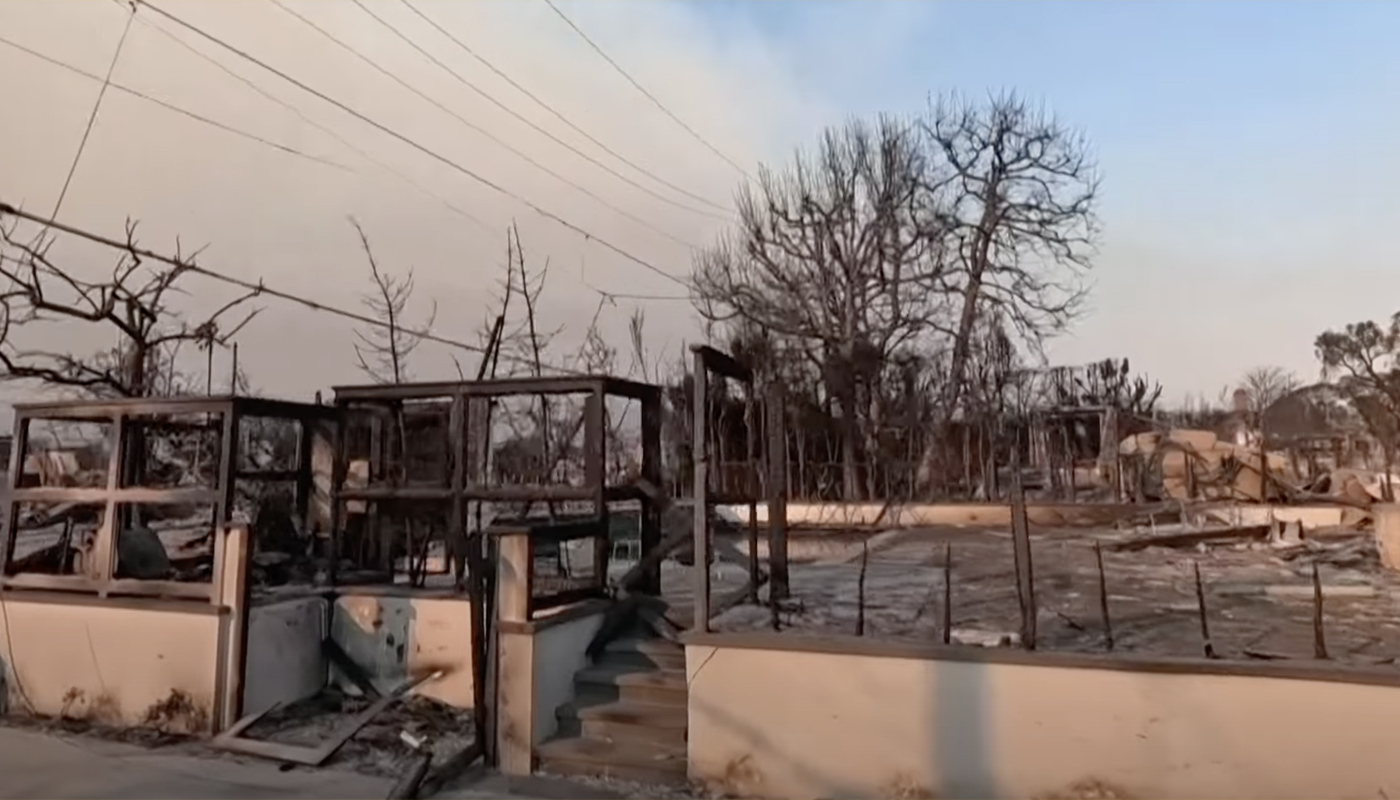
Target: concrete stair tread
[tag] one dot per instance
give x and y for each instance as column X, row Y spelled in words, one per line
column 627, row 675
column 651, row 715
column 648, row 645
column 605, row 754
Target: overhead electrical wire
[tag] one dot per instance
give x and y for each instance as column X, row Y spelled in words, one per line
column 468, row 123
column 651, row 297
column 580, row 131
column 92, row 118
column 648, row 95
column 433, row 154
column 171, row 107
column 322, row 128
column 261, row 288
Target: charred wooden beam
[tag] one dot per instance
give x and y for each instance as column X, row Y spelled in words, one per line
column 709, row 359
column 1025, row 572
column 1103, row 599
column 1207, row 646
column 700, row 459
column 1319, row 635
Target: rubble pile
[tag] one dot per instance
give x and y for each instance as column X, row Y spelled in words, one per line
column 1184, row 464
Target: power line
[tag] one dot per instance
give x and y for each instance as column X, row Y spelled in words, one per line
column 259, row 288
column 417, row 146
column 546, row 106
column 313, row 123
column 92, row 118
column 648, row 95
column 655, row 297
column 419, row 93
column 171, row 107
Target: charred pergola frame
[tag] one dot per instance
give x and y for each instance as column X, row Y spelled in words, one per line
column 707, row 362
column 128, row 420
column 462, row 481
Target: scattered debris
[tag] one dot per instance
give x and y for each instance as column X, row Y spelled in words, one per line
column 1180, row 538
column 233, row 739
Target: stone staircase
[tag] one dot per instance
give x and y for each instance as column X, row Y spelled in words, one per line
column 628, row 716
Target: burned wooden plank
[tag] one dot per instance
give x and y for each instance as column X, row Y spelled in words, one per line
column 722, row 363
column 337, row 656
column 232, row 740
column 1189, row 538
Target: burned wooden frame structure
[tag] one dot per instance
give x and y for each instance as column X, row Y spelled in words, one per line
column 708, row 361
column 132, row 425
column 382, row 418
column 460, row 477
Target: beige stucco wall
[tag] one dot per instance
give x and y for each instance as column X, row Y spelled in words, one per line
column 810, row 724
column 110, row 661
column 285, row 662
column 559, row 652
column 535, row 667
column 397, row 636
column 821, row 515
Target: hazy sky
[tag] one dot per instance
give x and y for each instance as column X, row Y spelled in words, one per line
column 1246, row 148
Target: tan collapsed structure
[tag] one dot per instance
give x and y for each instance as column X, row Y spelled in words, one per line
column 373, row 545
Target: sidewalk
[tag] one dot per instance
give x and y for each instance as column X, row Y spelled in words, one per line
column 35, row 766
column 40, row 765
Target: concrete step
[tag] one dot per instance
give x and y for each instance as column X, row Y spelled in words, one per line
column 646, row 652
column 633, row 761
column 625, row 721
column 634, row 684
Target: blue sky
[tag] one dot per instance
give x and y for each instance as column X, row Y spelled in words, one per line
column 1247, row 151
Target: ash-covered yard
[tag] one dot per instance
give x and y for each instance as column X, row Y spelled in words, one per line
column 1258, row 596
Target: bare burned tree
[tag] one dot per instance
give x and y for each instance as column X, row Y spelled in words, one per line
column 1266, row 386
column 839, row 259
column 383, row 351
column 1365, row 359
column 1019, row 190
column 132, row 304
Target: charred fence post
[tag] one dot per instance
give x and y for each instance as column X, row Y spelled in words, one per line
column 860, row 588
column 948, row 593
column 1103, row 599
column 1201, row 604
column 1319, row 635
column 778, row 585
column 1021, row 549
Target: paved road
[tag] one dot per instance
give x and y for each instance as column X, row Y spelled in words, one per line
column 36, row 766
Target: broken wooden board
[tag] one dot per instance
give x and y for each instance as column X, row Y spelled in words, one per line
column 1188, row 538
column 232, row 741
column 353, row 671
